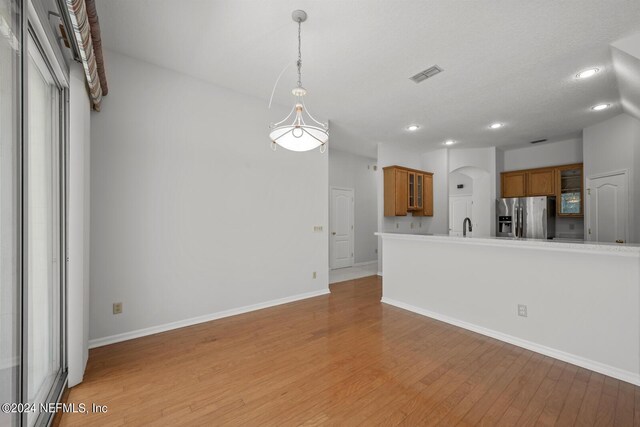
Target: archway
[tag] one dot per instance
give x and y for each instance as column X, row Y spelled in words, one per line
column 476, row 187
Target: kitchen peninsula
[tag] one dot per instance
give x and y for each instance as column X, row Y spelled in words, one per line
column 578, row 302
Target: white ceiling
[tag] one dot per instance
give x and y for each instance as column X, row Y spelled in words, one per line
column 509, row 61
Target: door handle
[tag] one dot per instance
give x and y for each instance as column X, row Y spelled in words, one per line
column 520, row 221
column 333, row 232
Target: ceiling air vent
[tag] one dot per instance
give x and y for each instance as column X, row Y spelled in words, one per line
column 537, row 140
column 424, row 75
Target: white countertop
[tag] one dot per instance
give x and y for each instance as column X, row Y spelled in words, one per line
column 565, row 245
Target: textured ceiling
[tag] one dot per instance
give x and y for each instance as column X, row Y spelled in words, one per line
column 509, row 61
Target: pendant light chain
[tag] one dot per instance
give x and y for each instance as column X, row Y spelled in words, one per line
column 299, row 54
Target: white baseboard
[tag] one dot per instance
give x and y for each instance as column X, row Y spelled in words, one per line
column 611, row 371
column 99, row 342
column 362, row 264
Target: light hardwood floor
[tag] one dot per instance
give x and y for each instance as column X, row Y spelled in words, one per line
column 341, row 359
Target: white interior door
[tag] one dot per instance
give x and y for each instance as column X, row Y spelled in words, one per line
column 460, row 207
column 607, row 208
column 341, row 228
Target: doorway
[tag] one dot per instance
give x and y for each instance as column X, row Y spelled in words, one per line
column 43, row 337
column 341, row 233
column 10, row 209
column 460, row 207
column 607, row 213
column 33, row 137
column 475, row 183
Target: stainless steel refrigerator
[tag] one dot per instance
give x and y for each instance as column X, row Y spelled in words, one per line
column 526, row 217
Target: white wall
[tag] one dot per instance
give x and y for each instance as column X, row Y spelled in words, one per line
column 614, row 145
column 79, row 226
column 457, row 178
column 436, row 161
column 544, row 154
column 347, row 170
column 583, row 307
column 625, row 57
column 192, row 213
column 569, row 228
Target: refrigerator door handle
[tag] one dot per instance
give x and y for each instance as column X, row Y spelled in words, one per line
column 517, row 221
column 520, row 221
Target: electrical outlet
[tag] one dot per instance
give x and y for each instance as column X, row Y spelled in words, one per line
column 317, row 229
column 522, row 310
column 411, row 225
column 315, row 275
column 397, row 225
column 117, row 308
column 376, row 251
column 572, row 226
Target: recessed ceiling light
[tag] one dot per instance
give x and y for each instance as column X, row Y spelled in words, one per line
column 496, row 125
column 587, row 73
column 600, row 107
column 449, row 142
column 413, row 128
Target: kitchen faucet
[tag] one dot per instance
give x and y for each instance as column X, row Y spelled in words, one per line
column 464, row 227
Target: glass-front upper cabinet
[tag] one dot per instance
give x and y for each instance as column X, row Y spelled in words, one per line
column 415, row 184
column 412, row 190
column 570, row 191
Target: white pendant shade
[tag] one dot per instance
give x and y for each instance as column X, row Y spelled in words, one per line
column 297, row 135
column 299, row 138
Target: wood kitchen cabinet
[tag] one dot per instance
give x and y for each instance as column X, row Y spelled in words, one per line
column 541, row 182
column 514, row 184
column 565, row 182
column 428, row 195
column 407, row 190
column 396, row 191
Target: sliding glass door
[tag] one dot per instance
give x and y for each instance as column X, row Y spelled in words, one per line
column 43, row 226
column 32, row 221
column 10, row 206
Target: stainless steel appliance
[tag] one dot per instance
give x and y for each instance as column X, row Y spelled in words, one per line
column 530, row 217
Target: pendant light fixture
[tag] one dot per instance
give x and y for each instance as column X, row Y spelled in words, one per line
column 299, row 134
